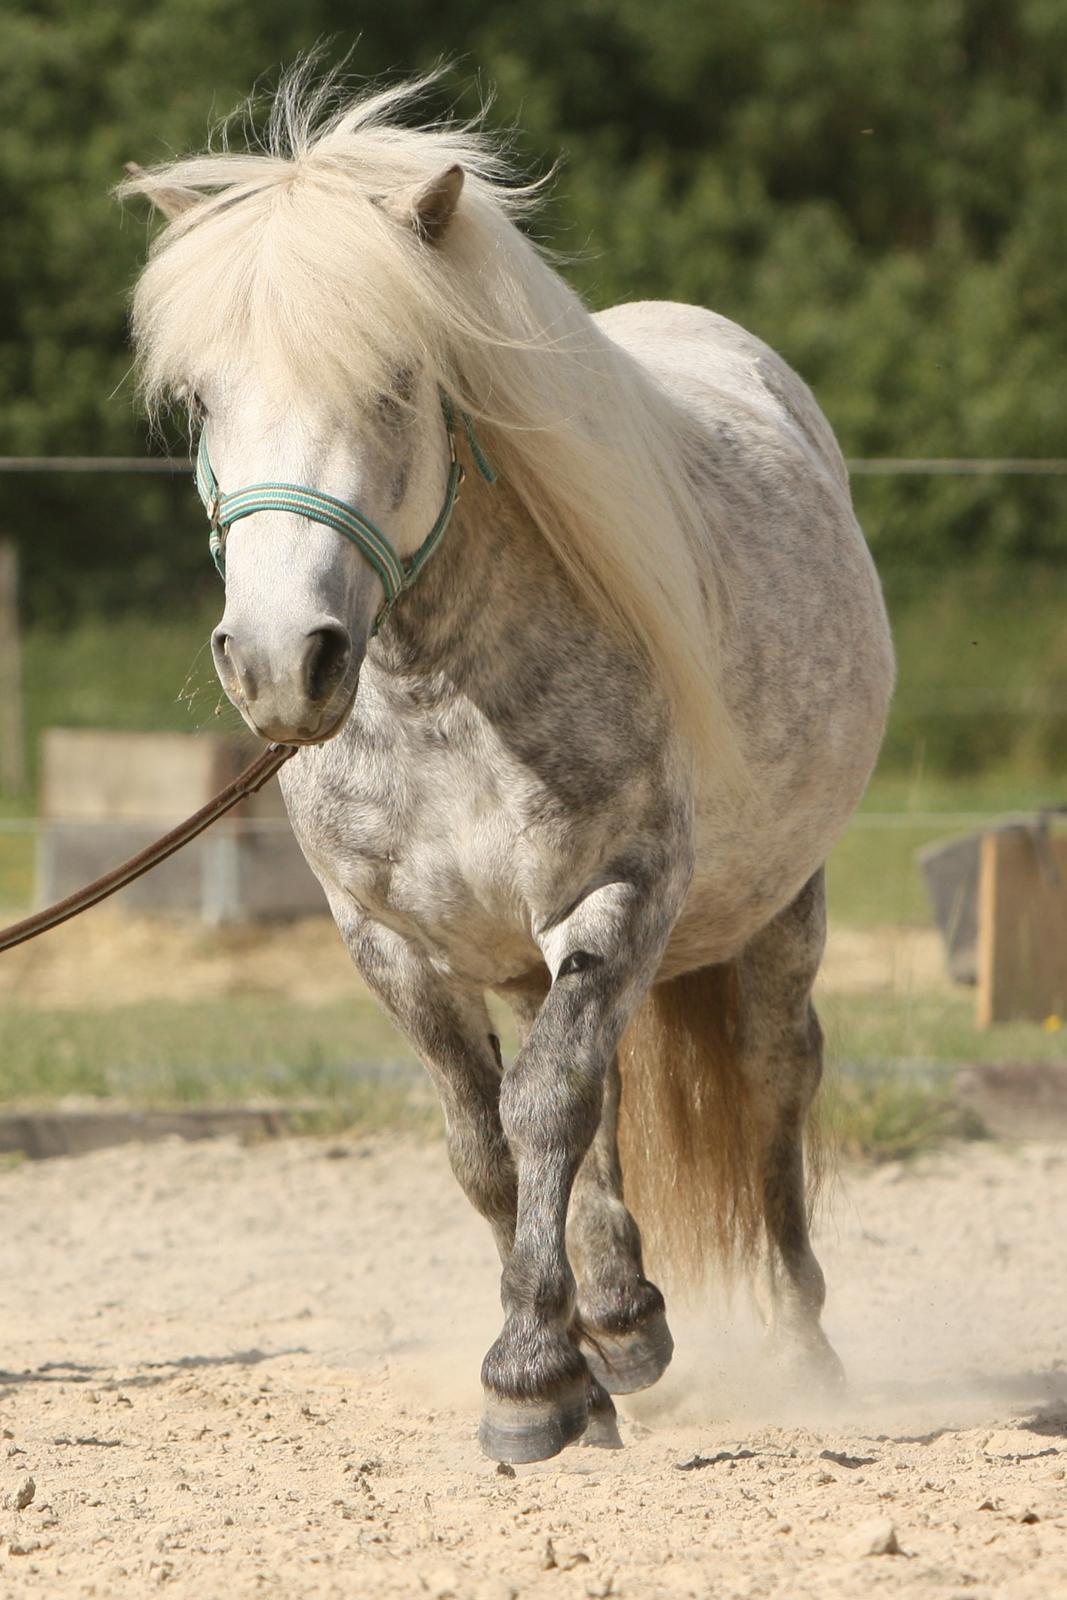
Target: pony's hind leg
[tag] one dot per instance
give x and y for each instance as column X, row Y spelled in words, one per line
column 782, row 1064
column 621, row 1316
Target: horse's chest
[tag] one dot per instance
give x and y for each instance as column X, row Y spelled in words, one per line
column 437, row 856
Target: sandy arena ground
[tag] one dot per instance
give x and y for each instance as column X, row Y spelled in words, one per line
column 243, row 1372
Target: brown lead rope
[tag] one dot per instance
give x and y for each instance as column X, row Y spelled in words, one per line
column 247, row 782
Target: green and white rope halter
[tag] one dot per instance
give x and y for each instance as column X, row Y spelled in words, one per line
column 397, row 573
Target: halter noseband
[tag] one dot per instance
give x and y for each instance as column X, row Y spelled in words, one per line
column 396, row 572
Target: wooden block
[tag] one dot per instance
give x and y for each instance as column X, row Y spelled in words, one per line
column 96, row 775
column 950, row 871
column 90, row 774
column 1022, row 927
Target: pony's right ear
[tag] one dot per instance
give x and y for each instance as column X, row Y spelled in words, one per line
column 172, row 202
column 428, row 208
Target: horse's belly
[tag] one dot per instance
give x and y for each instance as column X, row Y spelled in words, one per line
column 722, row 912
column 751, row 861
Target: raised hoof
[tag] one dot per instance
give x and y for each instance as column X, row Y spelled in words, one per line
column 627, row 1362
column 603, row 1429
column 533, row 1430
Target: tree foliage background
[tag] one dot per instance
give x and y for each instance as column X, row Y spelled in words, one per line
column 875, row 187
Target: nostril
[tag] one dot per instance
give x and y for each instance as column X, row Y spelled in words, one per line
column 220, row 650
column 234, row 674
column 326, row 661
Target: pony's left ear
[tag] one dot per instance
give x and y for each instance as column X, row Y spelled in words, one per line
column 428, row 208
column 171, row 202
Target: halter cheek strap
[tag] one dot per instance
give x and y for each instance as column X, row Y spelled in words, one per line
column 396, row 572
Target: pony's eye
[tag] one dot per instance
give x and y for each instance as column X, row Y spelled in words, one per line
column 394, row 406
column 390, row 410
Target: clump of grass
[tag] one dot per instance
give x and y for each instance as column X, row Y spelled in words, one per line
column 892, row 1114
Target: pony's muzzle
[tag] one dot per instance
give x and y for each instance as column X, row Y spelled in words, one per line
column 288, row 692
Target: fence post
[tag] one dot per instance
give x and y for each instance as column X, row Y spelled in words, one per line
column 12, row 745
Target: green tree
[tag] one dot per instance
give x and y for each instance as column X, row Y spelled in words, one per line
column 876, row 189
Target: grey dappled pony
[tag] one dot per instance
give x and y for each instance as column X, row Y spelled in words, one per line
column 593, row 760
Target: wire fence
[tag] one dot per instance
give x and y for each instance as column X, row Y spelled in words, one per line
column 940, row 700
column 27, row 825
column 862, row 467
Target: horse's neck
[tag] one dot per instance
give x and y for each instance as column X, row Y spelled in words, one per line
column 488, row 591
column 494, row 628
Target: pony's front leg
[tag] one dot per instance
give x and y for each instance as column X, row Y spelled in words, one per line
column 622, row 1320
column 450, row 1028
column 539, row 1390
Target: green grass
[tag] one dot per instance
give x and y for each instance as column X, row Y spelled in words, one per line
column 143, row 673
column 140, row 673
column 873, row 878
column 16, row 858
column 891, row 1115
column 165, row 1052
column 147, row 672
column 982, row 671
column 338, row 1066
column 928, row 1026
column 888, row 1088
column 982, row 668
column 342, row 1065
column 969, row 645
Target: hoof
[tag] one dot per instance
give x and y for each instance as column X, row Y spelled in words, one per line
column 533, row 1430
column 810, row 1364
column 603, row 1429
column 826, row 1372
column 626, row 1362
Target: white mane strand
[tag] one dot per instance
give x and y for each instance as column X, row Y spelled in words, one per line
column 287, row 256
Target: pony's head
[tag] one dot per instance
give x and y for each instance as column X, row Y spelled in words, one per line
column 314, row 299
column 301, row 595
column 294, row 303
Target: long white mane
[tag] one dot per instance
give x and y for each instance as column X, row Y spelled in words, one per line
column 287, row 255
